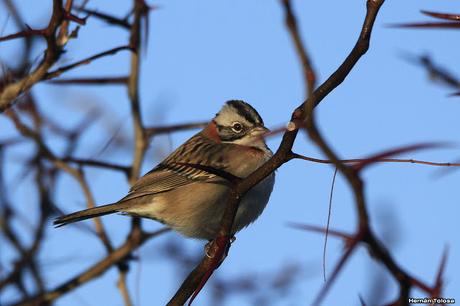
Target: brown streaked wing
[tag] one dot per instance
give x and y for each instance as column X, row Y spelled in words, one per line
column 174, row 172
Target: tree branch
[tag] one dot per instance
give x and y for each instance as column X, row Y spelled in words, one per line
column 136, row 239
column 307, row 67
column 12, row 91
column 282, row 155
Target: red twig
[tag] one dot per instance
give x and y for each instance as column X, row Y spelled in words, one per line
column 455, row 17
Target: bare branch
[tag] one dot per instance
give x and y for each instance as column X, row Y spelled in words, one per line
column 136, row 239
column 445, row 16
column 122, row 80
column 308, row 71
column 140, row 9
column 107, row 18
column 165, row 129
column 86, row 61
column 59, row 163
column 10, row 92
column 453, row 23
column 96, row 163
column 381, row 160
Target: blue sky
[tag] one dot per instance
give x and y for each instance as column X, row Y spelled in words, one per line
column 202, row 53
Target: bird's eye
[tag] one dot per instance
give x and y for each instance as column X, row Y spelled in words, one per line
column 237, row 127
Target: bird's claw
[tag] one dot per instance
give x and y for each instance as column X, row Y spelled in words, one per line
column 208, row 251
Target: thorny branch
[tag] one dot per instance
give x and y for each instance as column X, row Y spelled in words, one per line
column 59, row 19
column 56, row 41
column 48, row 154
column 118, row 255
column 27, row 258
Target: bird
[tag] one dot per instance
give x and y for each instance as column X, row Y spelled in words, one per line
column 188, row 190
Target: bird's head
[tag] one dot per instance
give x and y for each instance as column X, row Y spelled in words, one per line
column 239, row 123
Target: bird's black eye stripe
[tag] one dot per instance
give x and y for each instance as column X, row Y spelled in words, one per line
column 246, row 111
column 227, row 134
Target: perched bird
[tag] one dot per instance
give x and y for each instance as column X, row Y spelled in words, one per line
column 181, row 193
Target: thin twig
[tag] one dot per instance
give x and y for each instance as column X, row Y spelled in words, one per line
column 307, row 67
column 91, row 81
column 107, row 18
column 97, row 163
column 86, row 61
column 382, row 160
column 328, row 222
column 157, row 130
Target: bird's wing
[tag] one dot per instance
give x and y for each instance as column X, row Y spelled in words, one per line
column 197, row 160
column 166, row 177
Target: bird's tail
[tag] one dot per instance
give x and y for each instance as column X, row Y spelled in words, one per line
column 88, row 213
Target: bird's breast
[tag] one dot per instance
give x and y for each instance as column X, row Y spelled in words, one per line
column 246, row 160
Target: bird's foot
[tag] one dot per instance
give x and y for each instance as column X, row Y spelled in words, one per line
column 208, row 247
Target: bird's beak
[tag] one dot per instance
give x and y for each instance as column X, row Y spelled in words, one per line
column 260, row 131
